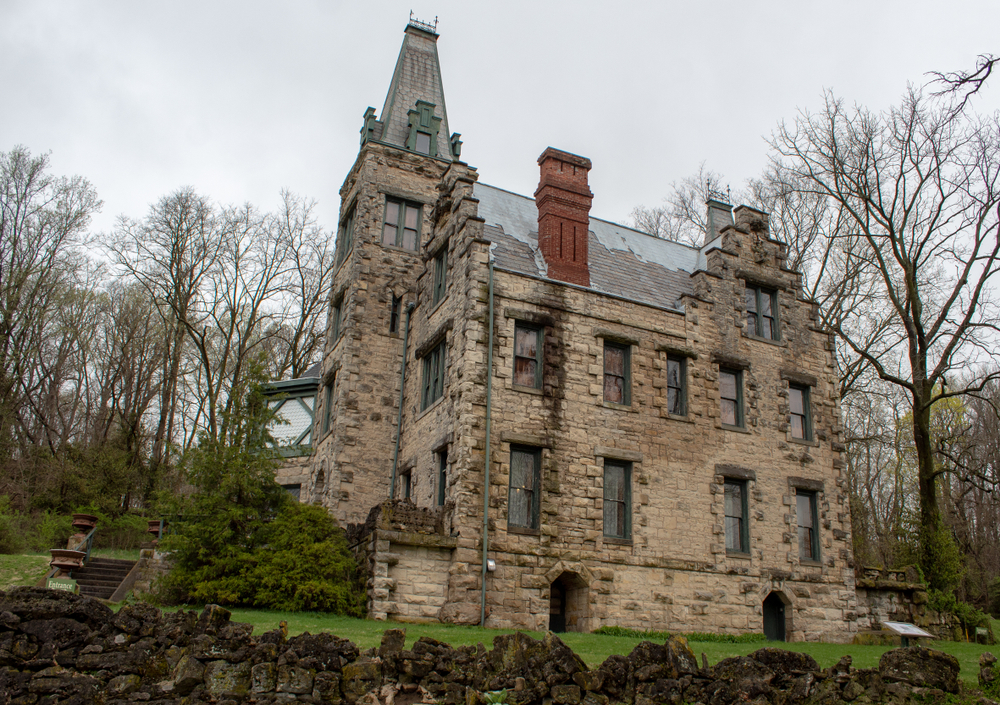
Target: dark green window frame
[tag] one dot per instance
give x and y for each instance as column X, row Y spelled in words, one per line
column 676, row 385
column 442, row 478
column 799, row 413
column 433, row 384
column 617, row 499
column 731, row 398
column 345, row 238
column 528, row 359
column 737, row 515
column 807, row 517
column 440, row 274
column 401, row 224
column 523, row 489
column 762, row 312
column 407, row 477
column 617, row 373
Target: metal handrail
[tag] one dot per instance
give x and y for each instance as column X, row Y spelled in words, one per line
column 89, row 541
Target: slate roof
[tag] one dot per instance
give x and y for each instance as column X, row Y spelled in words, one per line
column 417, row 77
column 623, row 262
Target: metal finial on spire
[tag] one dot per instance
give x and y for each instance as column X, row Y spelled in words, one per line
column 715, row 194
column 426, row 26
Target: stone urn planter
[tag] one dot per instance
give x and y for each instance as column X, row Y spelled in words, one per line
column 83, row 523
column 66, row 559
column 154, row 528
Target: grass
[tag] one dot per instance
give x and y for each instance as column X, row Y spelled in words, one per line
column 592, row 648
column 25, row 569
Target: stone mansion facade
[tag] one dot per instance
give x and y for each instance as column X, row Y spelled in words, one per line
column 539, row 419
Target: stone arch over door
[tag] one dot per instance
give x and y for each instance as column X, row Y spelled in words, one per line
column 776, row 616
column 569, row 604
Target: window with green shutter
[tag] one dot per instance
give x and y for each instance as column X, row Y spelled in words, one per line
column 433, row 382
column 401, row 227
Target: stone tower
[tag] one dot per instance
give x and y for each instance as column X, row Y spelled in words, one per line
column 385, row 220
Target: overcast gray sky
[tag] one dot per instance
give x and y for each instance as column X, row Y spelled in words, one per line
column 243, row 98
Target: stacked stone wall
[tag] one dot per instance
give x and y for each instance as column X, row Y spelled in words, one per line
column 59, row 647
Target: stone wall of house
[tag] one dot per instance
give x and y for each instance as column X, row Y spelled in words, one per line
column 673, row 571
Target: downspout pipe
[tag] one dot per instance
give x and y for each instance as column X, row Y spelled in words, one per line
column 402, row 386
column 489, row 409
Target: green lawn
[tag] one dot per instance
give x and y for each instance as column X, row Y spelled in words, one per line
column 592, row 648
column 22, row 569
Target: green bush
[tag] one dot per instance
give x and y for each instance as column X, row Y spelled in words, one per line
column 121, row 531
column 993, row 597
column 11, row 536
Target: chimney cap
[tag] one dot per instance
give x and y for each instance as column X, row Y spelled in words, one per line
column 568, row 157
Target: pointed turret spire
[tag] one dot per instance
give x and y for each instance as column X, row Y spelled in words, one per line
column 414, row 116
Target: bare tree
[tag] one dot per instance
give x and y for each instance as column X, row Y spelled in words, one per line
column 919, row 186
column 682, row 217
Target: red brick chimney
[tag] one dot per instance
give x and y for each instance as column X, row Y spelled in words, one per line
column 563, row 199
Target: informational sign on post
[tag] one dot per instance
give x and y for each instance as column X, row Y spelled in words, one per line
column 907, row 632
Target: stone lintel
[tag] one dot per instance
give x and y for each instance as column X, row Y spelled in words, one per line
column 735, row 472
column 525, row 439
column 618, row 454
column 520, row 314
column 799, row 378
column 804, row 483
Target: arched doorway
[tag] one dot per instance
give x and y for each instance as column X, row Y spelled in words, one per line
column 568, row 600
column 774, row 617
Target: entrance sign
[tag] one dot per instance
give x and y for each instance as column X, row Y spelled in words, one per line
column 67, row 584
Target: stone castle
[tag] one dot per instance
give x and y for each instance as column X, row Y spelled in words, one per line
column 530, row 417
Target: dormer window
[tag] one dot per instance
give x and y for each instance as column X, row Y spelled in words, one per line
column 423, row 129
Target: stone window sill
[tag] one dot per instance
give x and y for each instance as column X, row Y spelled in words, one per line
column 616, row 541
column 619, row 407
column 810, row 563
column 523, row 531
column 432, row 405
column 770, row 341
column 437, row 305
column 676, row 417
column 738, row 554
column 400, row 249
column 802, row 441
column 527, row 390
column 735, row 429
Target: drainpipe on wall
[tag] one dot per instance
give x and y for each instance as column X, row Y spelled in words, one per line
column 402, row 385
column 486, row 485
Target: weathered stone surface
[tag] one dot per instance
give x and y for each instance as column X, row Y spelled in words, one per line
column 224, row 678
column 189, row 673
column 264, row 678
column 920, row 666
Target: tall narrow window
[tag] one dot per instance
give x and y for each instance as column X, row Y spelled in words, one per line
column 433, row 386
column 442, row 478
column 799, row 416
column 407, row 480
column 394, row 311
column 616, row 373
column 762, row 305
column 617, row 499
column 805, row 510
column 335, row 312
column 423, row 143
column 328, row 403
column 523, row 496
column 402, row 224
column 737, row 533
column 440, row 274
column 676, row 387
column 527, row 356
column 345, row 238
column 731, row 397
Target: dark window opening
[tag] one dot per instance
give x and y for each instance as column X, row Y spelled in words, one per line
column 442, row 481
column 805, row 510
column 523, row 495
column 397, row 304
column 433, row 387
column 799, row 416
column 402, row 224
column 762, row 306
column 616, row 373
column 617, row 499
column 527, row 356
column 737, row 534
column 731, row 397
column 676, row 386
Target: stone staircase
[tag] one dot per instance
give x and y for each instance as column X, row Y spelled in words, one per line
column 102, row 576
